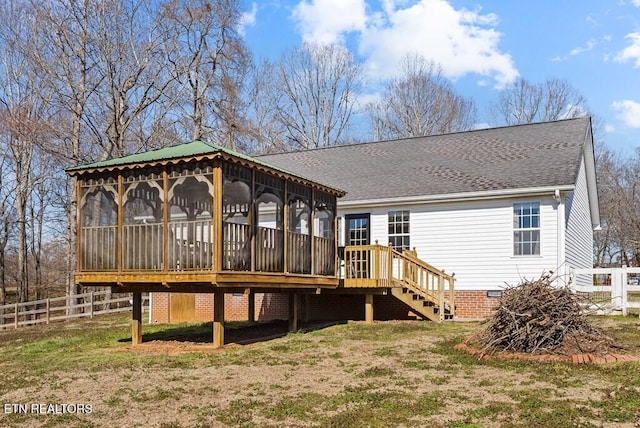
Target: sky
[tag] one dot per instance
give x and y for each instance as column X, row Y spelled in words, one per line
column 481, row 45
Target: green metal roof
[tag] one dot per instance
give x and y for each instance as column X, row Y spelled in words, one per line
column 184, row 151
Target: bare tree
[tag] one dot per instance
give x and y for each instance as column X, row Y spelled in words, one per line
column 209, row 61
column 525, row 102
column 618, row 241
column 313, row 94
column 264, row 133
column 6, row 221
column 61, row 56
column 127, row 45
column 421, row 101
column 24, row 120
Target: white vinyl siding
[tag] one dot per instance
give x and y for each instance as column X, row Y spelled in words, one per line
column 579, row 233
column 474, row 240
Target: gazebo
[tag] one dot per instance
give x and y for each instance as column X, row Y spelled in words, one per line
column 198, row 218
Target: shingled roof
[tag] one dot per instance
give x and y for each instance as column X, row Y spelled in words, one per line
column 533, row 156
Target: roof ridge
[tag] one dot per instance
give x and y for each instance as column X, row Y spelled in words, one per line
column 367, row 143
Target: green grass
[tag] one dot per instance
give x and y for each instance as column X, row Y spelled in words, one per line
column 381, row 381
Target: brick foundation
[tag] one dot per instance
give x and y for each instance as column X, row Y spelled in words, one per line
column 236, row 307
column 318, row 307
column 159, row 308
column 474, row 304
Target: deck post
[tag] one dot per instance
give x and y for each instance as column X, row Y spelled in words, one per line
column 218, row 231
column 136, row 321
column 293, row 312
column 251, row 316
column 218, row 319
column 305, row 309
column 368, row 308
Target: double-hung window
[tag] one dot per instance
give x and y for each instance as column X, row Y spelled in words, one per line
column 399, row 229
column 526, row 229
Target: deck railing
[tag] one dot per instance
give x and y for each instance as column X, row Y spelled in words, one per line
column 192, row 247
column 325, row 258
column 367, row 266
column 269, row 250
column 98, row 252
column 142, row 246
column 236, row 253
column 376, row 266
column 298, row 253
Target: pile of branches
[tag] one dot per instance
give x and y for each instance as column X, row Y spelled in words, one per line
column 536, row 317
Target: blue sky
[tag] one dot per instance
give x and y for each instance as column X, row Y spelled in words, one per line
column 482, row 46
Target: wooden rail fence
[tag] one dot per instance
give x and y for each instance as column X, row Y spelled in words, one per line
column 55, row 309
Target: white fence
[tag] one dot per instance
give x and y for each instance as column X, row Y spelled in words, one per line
column 611, row 289
column 57, row 309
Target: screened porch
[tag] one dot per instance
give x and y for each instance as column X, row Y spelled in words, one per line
column 217, row 219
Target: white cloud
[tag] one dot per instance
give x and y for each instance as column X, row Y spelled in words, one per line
column 248, row 19
column 327, row 21
column 628, row 111
column 462, row 41
column 636, row 3
column 631, row 52
column 582, row 49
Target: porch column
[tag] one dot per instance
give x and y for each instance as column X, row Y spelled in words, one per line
column 218, row 319
column 136, row 320
column 368, row 308
column 293, row 311
column 251, row 307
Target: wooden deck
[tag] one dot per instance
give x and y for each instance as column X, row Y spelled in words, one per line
column 425, row 288
column 363, row 269
column 206, row 282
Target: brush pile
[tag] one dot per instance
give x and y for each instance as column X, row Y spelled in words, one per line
column 536, row 317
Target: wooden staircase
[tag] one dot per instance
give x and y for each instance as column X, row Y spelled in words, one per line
column 428, row 291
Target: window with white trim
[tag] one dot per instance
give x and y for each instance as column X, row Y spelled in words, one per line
column 399, row 229
column 526, row 229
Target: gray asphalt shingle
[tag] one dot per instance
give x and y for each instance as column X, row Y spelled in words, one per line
column 514, row 157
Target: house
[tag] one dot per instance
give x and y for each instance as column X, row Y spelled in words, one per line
column 493, row 206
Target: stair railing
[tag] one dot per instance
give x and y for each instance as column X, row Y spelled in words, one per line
column 423, row 279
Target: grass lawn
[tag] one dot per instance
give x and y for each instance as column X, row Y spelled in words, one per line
column 388, row 374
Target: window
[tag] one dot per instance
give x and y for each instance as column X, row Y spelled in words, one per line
column 399, row 229
column 526, row 229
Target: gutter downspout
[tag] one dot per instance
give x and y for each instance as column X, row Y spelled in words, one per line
column 561, row 267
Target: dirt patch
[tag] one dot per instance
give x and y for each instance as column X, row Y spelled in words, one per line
column 180, row 343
